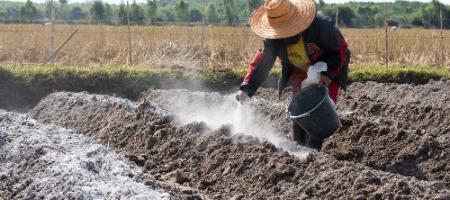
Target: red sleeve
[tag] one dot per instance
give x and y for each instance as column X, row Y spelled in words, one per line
column 253, row 65
column 259, row 68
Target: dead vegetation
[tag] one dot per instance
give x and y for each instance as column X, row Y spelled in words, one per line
column 200, row 47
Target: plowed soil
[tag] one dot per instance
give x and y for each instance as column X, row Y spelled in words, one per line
column 394, row 143
column 399, row 128
column 40, row 161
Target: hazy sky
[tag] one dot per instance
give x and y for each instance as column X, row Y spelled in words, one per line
column 326, row 1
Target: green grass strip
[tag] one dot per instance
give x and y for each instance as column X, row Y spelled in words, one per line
column 400, row 74
column 417, row 74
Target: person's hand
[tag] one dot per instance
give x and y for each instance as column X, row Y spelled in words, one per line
column 241, row 96
column 324, row 80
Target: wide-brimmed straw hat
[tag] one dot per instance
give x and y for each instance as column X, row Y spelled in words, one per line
column 277, row 19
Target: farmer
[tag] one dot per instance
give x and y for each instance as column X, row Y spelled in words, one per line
column 301, row 38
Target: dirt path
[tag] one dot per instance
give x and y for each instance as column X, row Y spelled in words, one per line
column 48, row 162
column 218, row 162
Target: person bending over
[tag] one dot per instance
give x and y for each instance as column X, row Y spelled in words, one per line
column 301, row 37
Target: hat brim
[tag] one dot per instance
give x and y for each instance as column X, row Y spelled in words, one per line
column 305, row 12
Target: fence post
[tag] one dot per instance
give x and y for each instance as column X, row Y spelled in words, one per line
column 129, row 60
column 52, row 31
column 202, row 36
column 377, row 49
column 386, row 51
column 61, row 46
column 337, row 17
column 203, row 61
column 442, row 39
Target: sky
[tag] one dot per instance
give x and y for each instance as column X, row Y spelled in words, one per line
column 447, row 2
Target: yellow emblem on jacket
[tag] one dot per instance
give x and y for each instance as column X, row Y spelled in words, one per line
column 297, row 55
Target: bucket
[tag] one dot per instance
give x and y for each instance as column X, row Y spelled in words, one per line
column 314, row 111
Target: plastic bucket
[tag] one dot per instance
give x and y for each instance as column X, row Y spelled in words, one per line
column 314, row 111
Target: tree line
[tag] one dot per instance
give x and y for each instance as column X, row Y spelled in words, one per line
column 229, row 12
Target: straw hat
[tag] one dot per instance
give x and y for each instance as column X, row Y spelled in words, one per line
column 278, row 19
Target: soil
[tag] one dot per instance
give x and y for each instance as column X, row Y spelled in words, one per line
column 399, row 128
column 24, row 93
column 219, row 163
column 394, row 142
column 40, row 161
column 258, row 117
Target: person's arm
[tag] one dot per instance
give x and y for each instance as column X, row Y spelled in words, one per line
column 259, row 68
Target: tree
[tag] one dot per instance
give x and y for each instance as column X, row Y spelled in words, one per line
column 321, row 4
column 97, row 12
column 196, row 15
column 3, row 16
column 430, row 13
column 28, row 12
column 415, row 19
column 48, row 9
column 253, row 4
column 182, row 11
column 229, row 9
column 12, row 14
column 211, row 14
column 63, row 11
column 366, row 15
column 122, row 13
column 137, row 16
column 391, row 22
column 169, row 16
column 77, row 13
column 152, row 8
column 108, row 14
column 346, row 15
column 379, row 19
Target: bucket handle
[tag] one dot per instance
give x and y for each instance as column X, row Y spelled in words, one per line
column 310, row 111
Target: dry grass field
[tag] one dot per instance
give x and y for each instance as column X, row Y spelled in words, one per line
column 200, row 47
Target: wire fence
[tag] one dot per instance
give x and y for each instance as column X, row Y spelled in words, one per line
column 204, row 46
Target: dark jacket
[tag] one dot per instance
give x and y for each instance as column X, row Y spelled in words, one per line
column 323, row 43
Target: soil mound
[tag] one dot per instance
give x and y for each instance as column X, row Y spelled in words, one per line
column 398, row 128
column 44, row 161
column 257, row 117
column 218, row 163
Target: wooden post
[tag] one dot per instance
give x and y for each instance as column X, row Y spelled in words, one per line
column 386, row 51
column 52, row 30
column 202, row 46
column 337, row 17
column 377, row 50
column 129, row 60
column 442, row 39
column 61, row 46
column 202, row 36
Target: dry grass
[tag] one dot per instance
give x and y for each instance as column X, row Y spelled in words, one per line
column 406, row 46
column 200, row 47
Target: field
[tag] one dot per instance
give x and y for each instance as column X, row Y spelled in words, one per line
column 202, row 47
column 90, row 127
column 181, row 144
